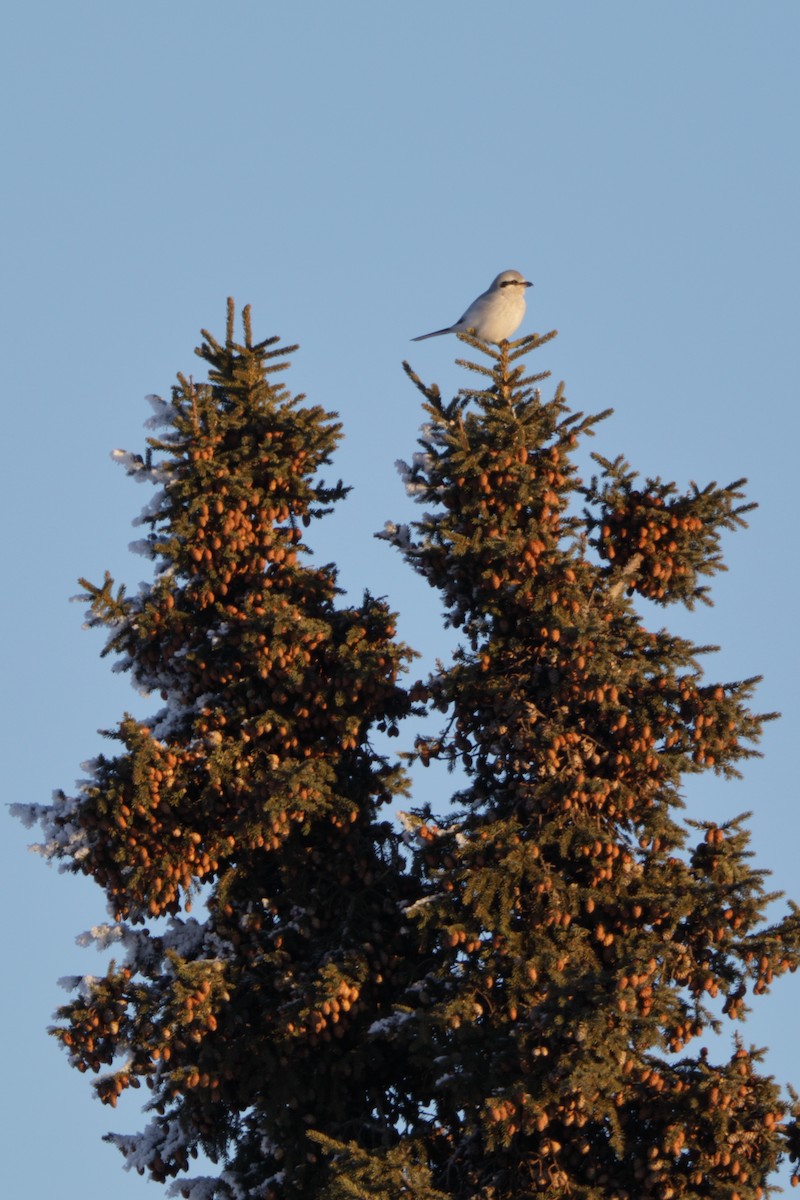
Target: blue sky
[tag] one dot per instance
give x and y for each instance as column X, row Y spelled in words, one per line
column 358, row 172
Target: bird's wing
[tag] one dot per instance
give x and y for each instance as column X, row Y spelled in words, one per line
column 474, row 312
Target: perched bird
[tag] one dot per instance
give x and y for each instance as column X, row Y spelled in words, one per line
column 495, row 315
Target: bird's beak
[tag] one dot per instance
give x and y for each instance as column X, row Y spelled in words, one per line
column 528, row 284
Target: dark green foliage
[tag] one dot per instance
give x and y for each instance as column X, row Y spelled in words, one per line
column 516, row 996
column 256, row 782
column 582, row 938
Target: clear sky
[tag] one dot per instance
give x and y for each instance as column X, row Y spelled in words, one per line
column 358, row 172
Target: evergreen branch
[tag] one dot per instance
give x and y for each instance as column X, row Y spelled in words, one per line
column 531, row 342
column 431, row 393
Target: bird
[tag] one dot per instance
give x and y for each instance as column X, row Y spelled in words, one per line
column 495, row 314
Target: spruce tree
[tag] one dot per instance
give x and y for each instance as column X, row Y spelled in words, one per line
column 586, row 943
column 520, row 994
column 255, row 792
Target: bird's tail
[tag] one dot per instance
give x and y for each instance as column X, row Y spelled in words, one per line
column 436, row 333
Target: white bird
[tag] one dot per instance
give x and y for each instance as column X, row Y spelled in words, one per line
column 496, row 313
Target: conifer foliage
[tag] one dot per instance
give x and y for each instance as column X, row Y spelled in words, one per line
column 255, row 790
column 583, row 939
column 515, row 995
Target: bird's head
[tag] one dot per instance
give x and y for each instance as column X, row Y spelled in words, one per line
column 510, row 279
